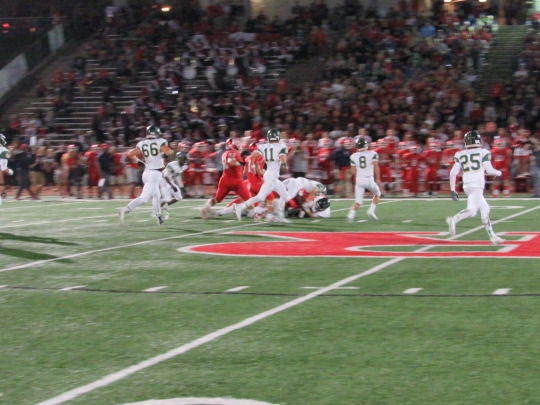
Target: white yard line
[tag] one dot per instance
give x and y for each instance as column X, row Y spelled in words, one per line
column 235, row 289
column 75, row 287
column 154, row 289
column 105, row 381
column 412, row 290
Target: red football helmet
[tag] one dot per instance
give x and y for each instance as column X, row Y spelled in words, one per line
column 253, row 147
column 232, row 143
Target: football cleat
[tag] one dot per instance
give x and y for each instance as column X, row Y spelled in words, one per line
column 350, row 219
column 165, row 212
column 257, row 217
column 283, row 220
column 160, row 220
column 451, row 226
column 122, row 212
column 372, row 215
column 495, row 240
column 204, row 212
column 238, row 211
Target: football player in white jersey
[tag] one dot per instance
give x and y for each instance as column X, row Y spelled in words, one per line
column 5, row 154
column 275, row 155
column 152, row 150
column 295, row 185
column 365, row 165
column 474, row 161
column 171, row 183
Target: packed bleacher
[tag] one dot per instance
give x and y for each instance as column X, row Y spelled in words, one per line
column 404, row 80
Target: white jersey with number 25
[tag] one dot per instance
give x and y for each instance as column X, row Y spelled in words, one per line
column 473, row 163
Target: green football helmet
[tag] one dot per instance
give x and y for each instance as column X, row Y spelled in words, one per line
column 182, row 158
column 3, row 140
column 153, row 132
column 321, row 188
column 273, row 135
column 322, row 203
column 472, row 139
column 361, row 143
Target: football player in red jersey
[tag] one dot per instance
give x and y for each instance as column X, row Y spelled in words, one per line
column 432, row 157
column 231, row 180
column 311, row 149
column 326, row 164
column 197, row 162
column 385, row 164
column 253, row 173
column 501, row 158
column 92, row 168
column 448, row 159
column 402, row 148
column 411, row 166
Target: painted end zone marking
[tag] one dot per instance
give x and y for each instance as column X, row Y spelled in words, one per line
column 501, row 291
column 107, row 380
column 152, row 289
column 235, row 289
column 412, row 290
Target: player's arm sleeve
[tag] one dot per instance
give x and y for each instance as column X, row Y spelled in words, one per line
column 376, row 171
column 134, row 155
column 353, row 167
column 453, row 175
column 490, row 170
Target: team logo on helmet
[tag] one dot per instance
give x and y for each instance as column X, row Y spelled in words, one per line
column 273, row 135
column 472, row 139
column 153, row 132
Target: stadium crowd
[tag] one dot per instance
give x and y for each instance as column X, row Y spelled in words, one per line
column 403, row 80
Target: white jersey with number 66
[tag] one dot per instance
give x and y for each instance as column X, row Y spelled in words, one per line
column 151, row 150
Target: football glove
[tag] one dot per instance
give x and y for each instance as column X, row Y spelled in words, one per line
column 140, row 163
column 455, row 196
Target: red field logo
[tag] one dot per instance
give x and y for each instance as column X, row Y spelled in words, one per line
column 371, row 244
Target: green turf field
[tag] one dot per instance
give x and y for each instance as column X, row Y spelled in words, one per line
column 221, row 312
